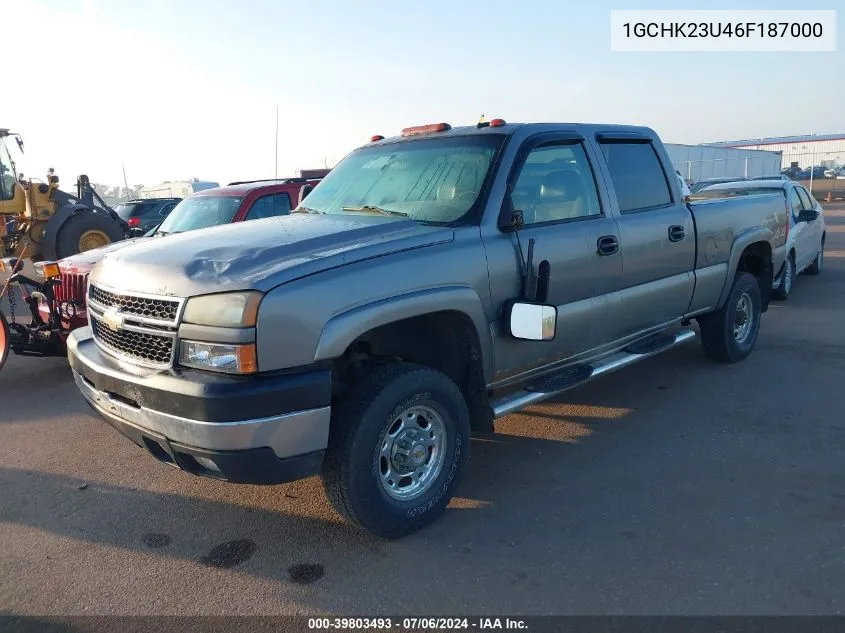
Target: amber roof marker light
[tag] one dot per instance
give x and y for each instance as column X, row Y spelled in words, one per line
column 426, row 129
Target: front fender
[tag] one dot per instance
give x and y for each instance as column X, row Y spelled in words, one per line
column 341, row 330
column 740, row 243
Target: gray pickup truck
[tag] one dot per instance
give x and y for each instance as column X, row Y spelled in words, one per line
column 431, row 283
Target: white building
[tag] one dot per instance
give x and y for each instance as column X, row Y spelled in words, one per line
column 825, row 150
column 177, row 188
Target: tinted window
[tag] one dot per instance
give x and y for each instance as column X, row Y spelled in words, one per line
column 637, row 176
column 556, row 183
column 269, row 206
column 805, row 198
column 136, row 209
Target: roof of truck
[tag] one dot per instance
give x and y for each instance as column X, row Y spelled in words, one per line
column 507, row 128
column 244, row 187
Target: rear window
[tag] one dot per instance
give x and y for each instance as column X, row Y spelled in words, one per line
column 637, row 175
column 136, row 209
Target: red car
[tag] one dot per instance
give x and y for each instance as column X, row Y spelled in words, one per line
column 236, row 202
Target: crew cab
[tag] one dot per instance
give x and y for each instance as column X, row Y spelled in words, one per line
column 433, row 282
column 236, row 202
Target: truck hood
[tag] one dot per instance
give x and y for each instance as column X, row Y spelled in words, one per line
column 83, row 262
column 259, row 254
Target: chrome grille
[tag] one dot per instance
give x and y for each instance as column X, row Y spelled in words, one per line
column 142, row 346
column 157, row 308
column 139, row 328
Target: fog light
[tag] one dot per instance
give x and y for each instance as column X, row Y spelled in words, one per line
column 207, row 463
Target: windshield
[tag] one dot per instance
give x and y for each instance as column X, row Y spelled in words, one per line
column 431, row 180
column 7, row 173
column 199, row 212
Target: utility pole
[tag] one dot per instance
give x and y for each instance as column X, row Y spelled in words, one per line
column 276, row 168
column 125, row 182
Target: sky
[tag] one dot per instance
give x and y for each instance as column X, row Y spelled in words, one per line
column 178, row 89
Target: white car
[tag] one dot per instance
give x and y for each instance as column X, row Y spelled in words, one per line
column 806, row 229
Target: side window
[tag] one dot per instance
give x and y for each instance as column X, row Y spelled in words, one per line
column 805, row 198
column 166, row 209
column 269, row 206
column 795, row 205
column 7, row 174
column 556, row 183
column 637, row 175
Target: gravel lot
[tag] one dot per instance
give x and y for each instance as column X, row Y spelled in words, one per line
column 677, row 486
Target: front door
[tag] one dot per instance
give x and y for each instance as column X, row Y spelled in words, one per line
column 553, row 184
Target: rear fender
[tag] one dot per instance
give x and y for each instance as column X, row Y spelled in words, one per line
column 740, row 243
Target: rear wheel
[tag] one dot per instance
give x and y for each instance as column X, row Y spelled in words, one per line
column 398, row 444
column 816, row 267
column 729, row 334
column 86, row 231
column 781, row 293
column 4, row 340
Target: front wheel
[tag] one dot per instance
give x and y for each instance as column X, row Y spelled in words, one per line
column 781, row 293
column 4, row 340
column 729, row 334
column 398, row 444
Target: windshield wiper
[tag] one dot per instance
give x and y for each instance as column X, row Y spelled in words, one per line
column 368, row 208
column 306, row 210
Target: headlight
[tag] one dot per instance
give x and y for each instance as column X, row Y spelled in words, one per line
column 231, row 309
column 231, row 359
column 48, row 270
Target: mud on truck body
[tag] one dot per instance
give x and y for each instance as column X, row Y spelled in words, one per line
column 433, row 282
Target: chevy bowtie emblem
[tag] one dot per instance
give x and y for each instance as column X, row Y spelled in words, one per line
column 113, row 318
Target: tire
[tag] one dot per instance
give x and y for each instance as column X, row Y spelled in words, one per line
column 781, row 293
column 358, row 468
column 76, row 233
column 4, row 340
column 719, row 329
column 818, row 263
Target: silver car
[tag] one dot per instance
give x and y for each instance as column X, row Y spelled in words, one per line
column 806, row 229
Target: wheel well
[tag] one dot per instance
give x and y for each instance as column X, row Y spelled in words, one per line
column 756, row 259
column 446, row 341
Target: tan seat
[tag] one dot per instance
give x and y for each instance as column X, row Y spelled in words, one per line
column 562, row 196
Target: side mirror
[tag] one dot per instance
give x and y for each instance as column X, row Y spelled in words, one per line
column 532, row 321
column 808, row 215
column 136, row 232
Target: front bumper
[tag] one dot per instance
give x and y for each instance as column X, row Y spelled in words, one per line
column 259, row 429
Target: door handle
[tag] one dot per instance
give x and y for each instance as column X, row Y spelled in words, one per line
column 676, row 233
column 608, row 245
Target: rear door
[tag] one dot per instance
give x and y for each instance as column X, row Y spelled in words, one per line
column 797, row 230
column 811, row 233
column 657, row 237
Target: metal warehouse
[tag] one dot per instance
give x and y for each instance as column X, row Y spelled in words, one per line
column 825, row 150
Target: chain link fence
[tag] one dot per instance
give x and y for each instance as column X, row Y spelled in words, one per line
column 822, row 173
